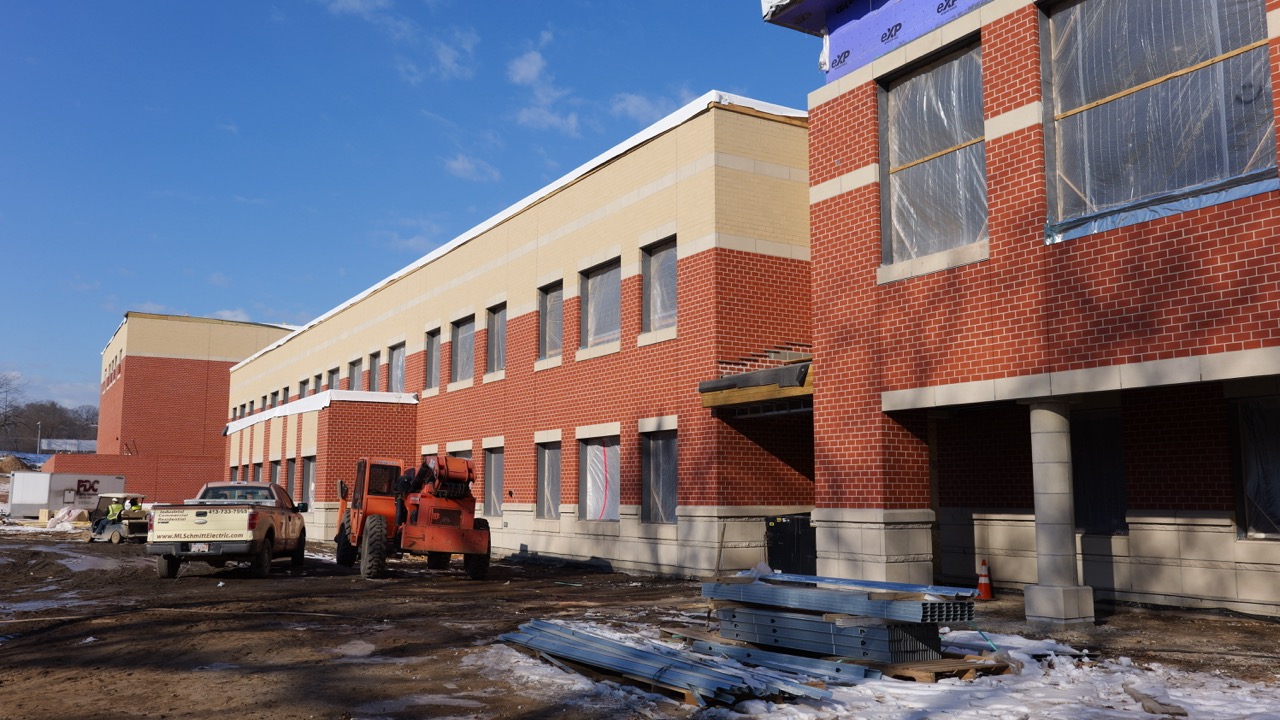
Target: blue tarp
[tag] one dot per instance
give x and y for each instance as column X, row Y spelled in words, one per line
column 31, row 459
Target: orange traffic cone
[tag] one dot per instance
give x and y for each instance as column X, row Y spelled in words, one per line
column 984, row 583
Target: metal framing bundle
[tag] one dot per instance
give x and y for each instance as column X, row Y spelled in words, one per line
column 661, row 666
column 890, row 642
column 842, row 601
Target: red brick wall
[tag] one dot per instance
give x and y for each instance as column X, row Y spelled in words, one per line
column 1191, row 284
column 348, row 431
column 718, row 465
column 984, row 458
column 171, row 406
column 162, row 478
column 110, row 412
column 1177, row 449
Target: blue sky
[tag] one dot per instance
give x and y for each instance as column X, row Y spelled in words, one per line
column 267, row 161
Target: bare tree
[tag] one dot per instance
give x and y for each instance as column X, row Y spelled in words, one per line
column 11, row 401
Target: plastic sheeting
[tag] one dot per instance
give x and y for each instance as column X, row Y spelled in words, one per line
column 464, row 350
column 396, row 370
column 1204, row 129
column 548, row 503
column 602, row 322
column 940, row 202
column 1260, row 449
column 433, row 359
column 497, row 350
column 660, row 478
column 494, row 465
column 600, row 479
column 660, row 287
column 551, row 321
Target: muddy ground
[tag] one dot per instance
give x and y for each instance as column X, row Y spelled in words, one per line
column 88, row 630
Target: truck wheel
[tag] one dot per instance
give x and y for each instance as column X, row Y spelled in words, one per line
column 300, row 552
column 477, row 565
column 346, row 551
column 261, row 566
column 115, row 537
column 438, row 560
column 373, row 549
column 167, row 566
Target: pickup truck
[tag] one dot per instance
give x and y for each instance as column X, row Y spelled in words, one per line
column 228, row 521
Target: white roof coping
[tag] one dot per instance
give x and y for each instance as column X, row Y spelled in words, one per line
column 679, row 117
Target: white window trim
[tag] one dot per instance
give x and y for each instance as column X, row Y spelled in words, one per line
column 459, row 446
column 495, row 441
column 596, row 351
column 547, row 363
column 587, row 432
column 656, row 336
column 658, row 424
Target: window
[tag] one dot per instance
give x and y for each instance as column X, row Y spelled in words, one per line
column 355, row 374
column 284, row 395
column 550, row 320
column 395, row 369
column 375, row 369
column 1259, row 433
column 598, row 479
column 659, row 271
column 496, row 357
column 493, row 465
column 333, row 379
column 315, row 385
column 250, row 407
column 658, row 470
column 464, row 350
column 302, row 388
column 291, row 468
column 548, row 504
column 937, row 181
column 242, row 410
column 275, row 471
column 432, row 361
column 264, row 403
column 235, row 474
column 601, row 302
column 1155, row 102
column 308, row 478
column 257, row 472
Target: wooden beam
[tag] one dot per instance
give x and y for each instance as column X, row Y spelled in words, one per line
column 758, row 393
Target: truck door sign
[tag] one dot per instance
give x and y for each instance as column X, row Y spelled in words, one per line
column 86, row 487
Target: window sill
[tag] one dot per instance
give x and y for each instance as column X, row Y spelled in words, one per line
column 656, row 336
column 596, row 351
column 548, row 363
column 461, row 384
column 494, row 376
column 945, row 260
column 608, row 528
column 430, row 392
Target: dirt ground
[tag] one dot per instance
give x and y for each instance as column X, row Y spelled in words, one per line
column 88, row 630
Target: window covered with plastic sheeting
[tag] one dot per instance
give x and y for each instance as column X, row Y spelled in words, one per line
column 396, row 370
column 463, row 359
column 375, row 372
column 497, row 351
column 432, row 364
column 601, row 303
column 1155, row 103
column 493, row 467
column 1260, row 466
column 547, row 506
column 937, row 158
column 355, row 376
column 598, row 478
column 550, row 321
column 659, row 286
column 659, row 473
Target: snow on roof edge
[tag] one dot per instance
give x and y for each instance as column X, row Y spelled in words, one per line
column 675, row 119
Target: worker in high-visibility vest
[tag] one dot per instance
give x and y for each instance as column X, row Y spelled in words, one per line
column 113, row 514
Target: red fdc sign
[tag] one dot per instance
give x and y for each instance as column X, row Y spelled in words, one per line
column 86, row 487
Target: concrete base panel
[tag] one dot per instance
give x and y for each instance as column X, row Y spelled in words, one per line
column 869, row 544
column 1059, row 605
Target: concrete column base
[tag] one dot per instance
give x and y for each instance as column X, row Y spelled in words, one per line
column 871, row 544
column 1059, row 605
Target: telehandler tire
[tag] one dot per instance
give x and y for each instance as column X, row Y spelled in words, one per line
column 373, row 547
column 477, row 565
column 346, row 554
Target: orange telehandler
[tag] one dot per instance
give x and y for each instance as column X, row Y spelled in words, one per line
column 429, row 512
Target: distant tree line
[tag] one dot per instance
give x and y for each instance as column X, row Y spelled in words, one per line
column 22, row 422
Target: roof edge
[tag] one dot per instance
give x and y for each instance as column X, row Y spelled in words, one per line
column 686, row 113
